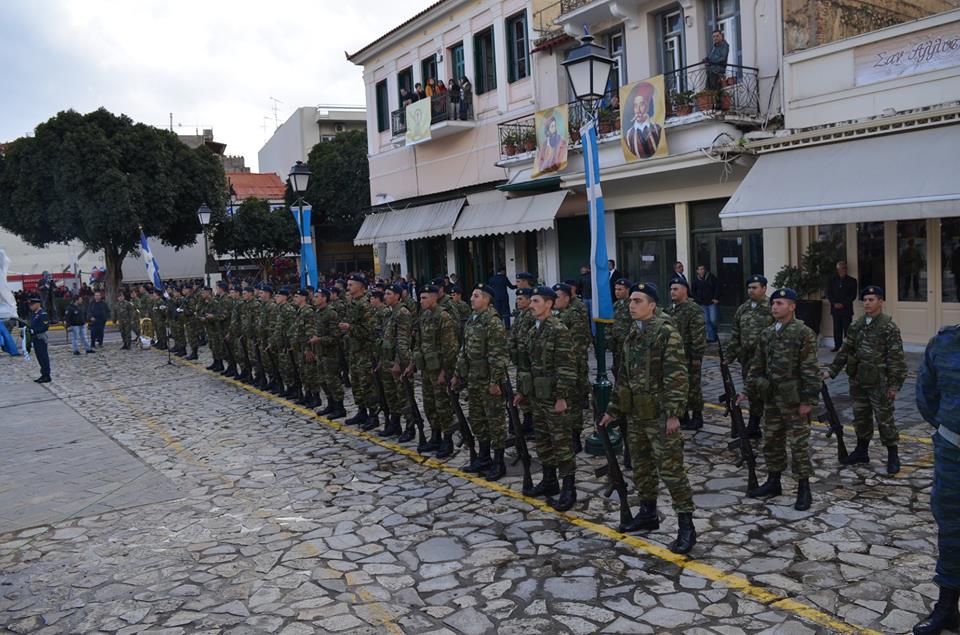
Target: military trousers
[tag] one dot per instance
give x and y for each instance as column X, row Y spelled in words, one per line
column 551, row 434
column 756, row 401
column 694, row 389
column 228, row 349
column 125, row 327
column 783, row 425
column 361, row 379
column 160, row 331
column 526, row 406
column 436, row 402
column 654, row 454
column 328, row 366
column 241, row 350
column 393, row 391
column 193, row 333
column 487, row 414
column 179, row 334
column 285, row 363
column 215, row 339
column 867, row 404
column 307, row 368
column 945, row 505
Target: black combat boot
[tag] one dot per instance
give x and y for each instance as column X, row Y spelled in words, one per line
column 393, row 427
column 263, row 383
column 231, row 370
column 568, row 495
column 804, row 497
column 685, row 421
column 328, row 408
column 482, row 464
column 647, row 518
column 193, row 355
column 859, row 455
column 528, row 425
column 893, row 460
column 358, row 418
column 338, row 411
column 212, row 365
column 548, row 485
column 696, row 420
column 753, row 428
column 446, row 446
column 686, row 535
column 432, row 444
column 575, row 444
column 409, row 432
column 275, row 386
column 312, row 400
column 768, row 489
column 944, row 616
column 245, row 375
column 373, row 422
column 498, row 468
column 180, row 352
column 219, row 365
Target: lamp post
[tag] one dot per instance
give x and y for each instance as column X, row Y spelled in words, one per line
column 203, row 215
column 588, row 69
column 299, row 177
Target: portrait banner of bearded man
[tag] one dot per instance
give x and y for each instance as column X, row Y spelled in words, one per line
column 552, row 140
column 642, row 112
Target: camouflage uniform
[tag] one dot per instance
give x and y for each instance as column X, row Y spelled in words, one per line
column 328, row 363
column 178, row 322
column 227, row 304
column 304, row 327
column 159, row 314
column 213, row 326
column 482, row 363
column 873, row 355
column 784, row 372
column 463, row 312
column 548, row 373
column 250, row 311
column 281, row 332
column 359, row 342
column 191, row 324
column 578, row 337
column 126, row 316
column 394, row 347
column 264, row 320
column 618, row 332
column 521, row 321
column 688, row 318
column 749, row 320
column 435, row 347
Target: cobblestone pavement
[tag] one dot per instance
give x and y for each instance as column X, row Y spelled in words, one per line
column 286, row 523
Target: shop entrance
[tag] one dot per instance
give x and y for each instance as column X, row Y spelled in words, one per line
column 647, row 244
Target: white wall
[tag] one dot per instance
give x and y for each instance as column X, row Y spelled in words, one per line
column 291, row 142
column 173, row 264
column 27, row 259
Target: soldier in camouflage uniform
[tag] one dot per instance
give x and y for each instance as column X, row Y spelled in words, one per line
column 749, row 320
column 687, row 316
column 281, row 330
column 262, row 357
column 227, row 301
column 785, row 373
column 521, row 320
column 125, row 316
column 233, row 331
column 191, row 320
column 250, row 331
column 578, row 337
column 435, row 346
column 159, row 314
column 359, row 329
column 392, row 358
column 462, row 308
column 622, row 323
column 412, row 304
column 208, row 314
column 548, row 378
column 872, row 352
column 137, row 300
column 338, row 303
column 652, row 394
column 304, row 328
column 326, row 347
column 482, row 365
column 177, row 322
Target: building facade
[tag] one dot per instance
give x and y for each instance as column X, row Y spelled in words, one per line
column 305, row 128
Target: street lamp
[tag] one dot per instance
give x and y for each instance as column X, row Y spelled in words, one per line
column 203, row 215
column 298, row 178
column 588, row 68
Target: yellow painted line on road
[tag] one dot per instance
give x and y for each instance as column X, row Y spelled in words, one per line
column 736, row 582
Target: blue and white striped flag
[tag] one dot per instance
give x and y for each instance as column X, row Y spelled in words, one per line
column 153, row 271
column 308, row 257
column 601, row 303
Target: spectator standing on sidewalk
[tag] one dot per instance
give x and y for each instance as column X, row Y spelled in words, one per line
column 706, row 291
column 75, row 317
column 98, row 312
column 841, row 292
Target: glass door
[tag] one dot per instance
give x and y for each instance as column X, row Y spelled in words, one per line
column 648, row 259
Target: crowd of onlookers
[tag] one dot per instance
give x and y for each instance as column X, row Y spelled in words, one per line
column 454, row 99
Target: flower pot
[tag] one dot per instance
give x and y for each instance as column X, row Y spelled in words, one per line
column 684, row 109
column 616, row 124
column 509, row 149
column 725, row 102
column 706, row 102
column 529, row 145
column 604, row 127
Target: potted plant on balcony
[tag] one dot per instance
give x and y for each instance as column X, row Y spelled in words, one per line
column 529, row 140
column 605, row 121
column 510, row 141
column 706, row 99
column 809, row 281
column 682, row 102
column 574, row 129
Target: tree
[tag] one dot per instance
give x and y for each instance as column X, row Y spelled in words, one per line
column 258, row 233
column 98, row 178
column 339, row 188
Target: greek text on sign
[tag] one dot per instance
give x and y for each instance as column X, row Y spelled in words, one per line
column 909, row 54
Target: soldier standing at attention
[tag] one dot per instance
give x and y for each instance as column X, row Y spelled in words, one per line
column 784, row 372
column 281, row 333
column 213, row 322
column 547, row 378
column 227, row 299
column 462, row 308
column 435, row 346
column 872, row 352
column 304, row 328
column 264, row 311
column 177, row 321
column 394, row 325
column 687, row 316
column 652, row 394
column 938, row 400
column 326, row 346
column 159, row 314
column 749, row 320
column 358, row 326
column 621, row 322
column 233, row 331
column 249, row 324
column 126, row 316
column 522, row 320
column 191, row 322
column 578, row 337
column 482, row 365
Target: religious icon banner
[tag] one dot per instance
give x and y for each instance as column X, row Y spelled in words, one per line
column 642, row 110
column 418, row 122
column 552, row 140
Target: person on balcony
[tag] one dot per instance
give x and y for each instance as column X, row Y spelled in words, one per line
column 454, row 98
column 466, row 98
column 716, row 61
column 420, row 92
column 431, row 87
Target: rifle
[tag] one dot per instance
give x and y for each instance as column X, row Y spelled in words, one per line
column 342, row 359
column 382, row 395
column 414, row 410
column 466, row 434
column 834, row 420
column 729, row 399
column 627, row 462
column 615, row 480
column 523, row 452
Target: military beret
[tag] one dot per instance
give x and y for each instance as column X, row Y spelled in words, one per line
column 438, row 281
column 283, row 291
column 207, row 288
column 486, row 288
column 649, row 290
column 679, row 281
column 339, row 281
column 524, row 293
column 248, row 289
column 571, row 282
column 563, row 286
column 222, row 284
column 544, row 291
column 302, row 292
column 324, row 292
column 784, row 294
column 377, row 294
column 34, row 299
column 266, row 287
column 624, row 282
column 454, row 288
column 872, row 290
column 757, row 278
column 336, row 290
column 356, row 277
column 394, row 288
column 526, row 275
column 429, row 288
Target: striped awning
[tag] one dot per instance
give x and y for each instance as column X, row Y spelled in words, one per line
column 426, row 221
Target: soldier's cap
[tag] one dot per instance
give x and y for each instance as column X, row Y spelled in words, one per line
column 248, row 289
column 394, row 288
column 339, row 281
column 380, row 285
column 302, row 292
column 222, row 284
column 429, row 288
column 525, row 293
column 756, row 278
column 624, row 282
column 336, row 290
column 454, row 288
column 377, row 294
column 324, row 292
column 266, row 287
column 784, row 294
column 679, row 281
column 208, row 289
column 872, row 290
column 439, row 282
column 486, row 288
column 526, row 275
column 34, row 299
column 283, row 291
column 571, row 282
column 543, row 291
column 647, row 289
column 356, row 277
column 563, row 286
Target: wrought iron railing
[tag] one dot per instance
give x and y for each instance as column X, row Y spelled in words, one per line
column 712, row 88
column 544, row 22
column 442, row 108
column 517, row 136
column 566, row 6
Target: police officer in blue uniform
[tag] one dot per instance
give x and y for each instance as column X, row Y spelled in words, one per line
column 938, row 400
column 39, row 324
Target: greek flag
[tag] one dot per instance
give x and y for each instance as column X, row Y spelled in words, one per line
column 601, row 303
column 153, row 271
column 308, row 257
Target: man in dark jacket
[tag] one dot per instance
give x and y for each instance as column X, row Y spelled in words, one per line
column 76, row 317
column 501, row 298
column 98, row 312
column 841, row 292
column 706, row 291
column 613, row 274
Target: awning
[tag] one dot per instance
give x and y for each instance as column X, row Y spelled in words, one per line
column 426, row 221
column 509, row 216
column 899, row 176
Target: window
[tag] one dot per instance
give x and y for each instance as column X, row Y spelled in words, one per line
column 950, row 246
column 870, row 254
column 485, row 61
column 725, row 17
column 383, row 107
column 671, row 51
column 912, row 260
column 457, row 65
column 404, row 80
column 518, row 58
column 836, row 236
column 428, row 69
column 616, row 51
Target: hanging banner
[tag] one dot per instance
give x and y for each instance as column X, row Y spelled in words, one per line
column 642, row 110
column 418, row 122
column 552, row 130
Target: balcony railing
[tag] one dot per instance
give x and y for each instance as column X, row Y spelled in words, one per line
column 442, row 108
column 566, row 6
column 543, row 22
column 710, row 88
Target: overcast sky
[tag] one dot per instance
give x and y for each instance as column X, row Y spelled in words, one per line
column 212, row 63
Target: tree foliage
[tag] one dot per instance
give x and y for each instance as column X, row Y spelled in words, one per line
column 809, row 280
column 258, row 233
column 98, row 178
column 339, row 188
